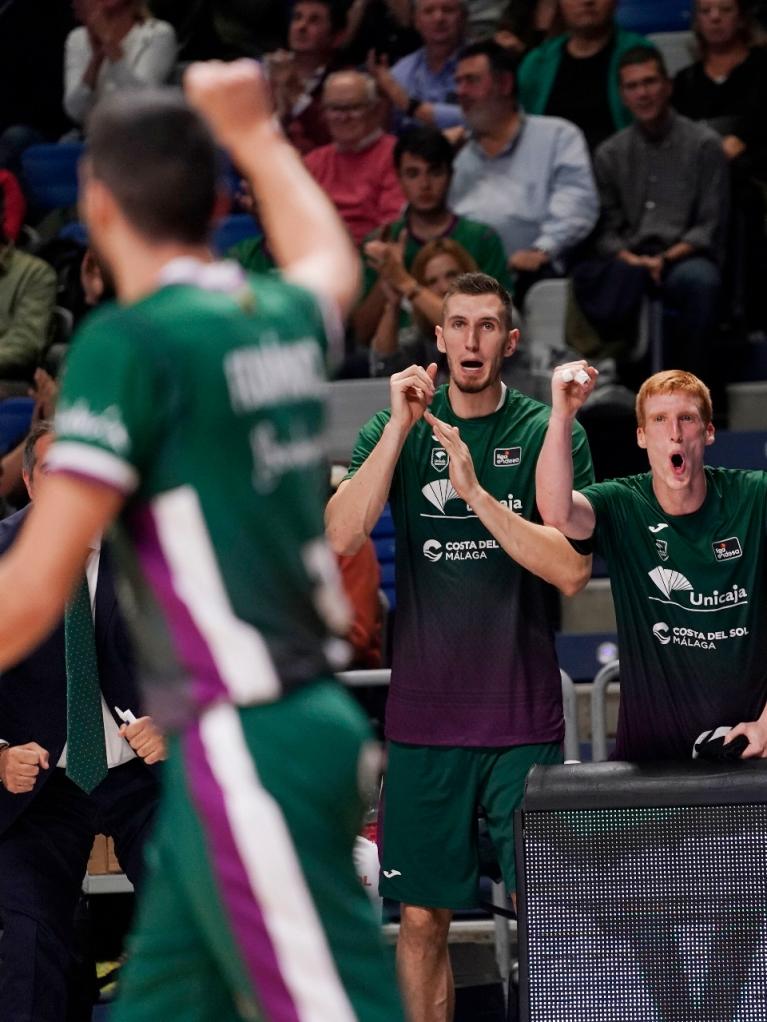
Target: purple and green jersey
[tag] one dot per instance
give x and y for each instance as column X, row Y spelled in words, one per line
column 690, row 598
column 205, row 409
column 473, row 657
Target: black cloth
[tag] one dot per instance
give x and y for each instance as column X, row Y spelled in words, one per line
column 580, row 94
column 46, row 835
column 735, row 106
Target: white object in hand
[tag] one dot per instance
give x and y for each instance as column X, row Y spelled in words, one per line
column 567, row 376
column 581, row 376
column 126, row 716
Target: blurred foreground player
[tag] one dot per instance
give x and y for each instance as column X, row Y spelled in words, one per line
column 685, row 545
column 195, row 410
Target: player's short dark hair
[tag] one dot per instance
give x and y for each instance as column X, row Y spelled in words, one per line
column 427, row 143
column 336, row 10
column 29, row 454
column 642, row 55
column 501, row 60
column 480, row 284
column 157, row 157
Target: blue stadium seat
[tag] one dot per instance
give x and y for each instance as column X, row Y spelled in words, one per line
column 49, row 174
column 735, row 449
column 655, row 15
column 15, row 419
column 233, row 229
column 383, row 541
column 75, row 231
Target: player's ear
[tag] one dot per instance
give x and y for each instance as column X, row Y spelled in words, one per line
column 710, row 434
column 512, row 340
column 641, row 439
column 440, row 339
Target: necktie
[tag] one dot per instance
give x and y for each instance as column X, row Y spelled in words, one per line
column 86, row 750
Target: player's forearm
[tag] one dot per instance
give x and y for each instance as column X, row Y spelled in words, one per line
column 305, row 233
column 354, row 510
column 539, row 548
column 554, row 476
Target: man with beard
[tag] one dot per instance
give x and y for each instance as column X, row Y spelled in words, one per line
column 475, row 698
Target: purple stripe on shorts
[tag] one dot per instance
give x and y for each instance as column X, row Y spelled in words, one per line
column 193, row 651
column 240, row 901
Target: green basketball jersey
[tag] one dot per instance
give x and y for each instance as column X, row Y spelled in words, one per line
column 689, row 594
column 204, row 407
column 473, row 656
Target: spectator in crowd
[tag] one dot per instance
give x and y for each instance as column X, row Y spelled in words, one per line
column 53, row 799
column 575, row 75
column 690, row 596
column 424, row 161
column 381, row 25
column 14, row 205
column 356, row 169
column 664, row 194
column 27, row 297
column 361, row 578
column 529, row 177
column 727, row 90
column 434, row 269
column 118, row 46
column 297, row 74
column 421, row 86
column 223, row 30
column 475, row 696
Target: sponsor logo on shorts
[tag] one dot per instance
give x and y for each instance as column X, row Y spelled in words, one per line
column 432, row 550
column 389, row 873
column 507, row 457
column 439, row 459
column 727, row 549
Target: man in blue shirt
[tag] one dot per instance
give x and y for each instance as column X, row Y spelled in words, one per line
column 421, row 86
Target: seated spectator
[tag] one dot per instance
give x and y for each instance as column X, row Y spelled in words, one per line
column 727, row 89
column 14, row 205
column 380, row 25
column 392, row 348
column 361, row 579
column 356, row 169
column 27, row 297
column 664, row 193
column 298, row 73
column 424, row 162
column 575, row 75
column 421, row 86
column 118, row 46
column 528, row 177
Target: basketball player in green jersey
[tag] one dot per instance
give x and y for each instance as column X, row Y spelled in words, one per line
column 194, row 409
column 686, row 547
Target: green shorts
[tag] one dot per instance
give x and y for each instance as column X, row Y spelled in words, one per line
column 432, row 796
column 252, row 909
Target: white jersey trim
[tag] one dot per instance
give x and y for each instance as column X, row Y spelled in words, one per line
column 237, row 648
column 274, row 872
column 94, row 462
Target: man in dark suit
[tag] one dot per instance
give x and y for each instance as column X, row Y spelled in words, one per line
column 47, row 820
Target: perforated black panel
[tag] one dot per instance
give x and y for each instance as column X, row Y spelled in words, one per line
column 645, row 915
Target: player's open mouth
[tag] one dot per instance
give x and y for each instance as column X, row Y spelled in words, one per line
column 471, row 364
column 677, row 463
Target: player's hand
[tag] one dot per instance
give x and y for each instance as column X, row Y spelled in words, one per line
column 232, row 97
column 411, row 392
column 20, row 765
column 571, row 384
column 145, row 740
column 461, row 467
column 756, row 732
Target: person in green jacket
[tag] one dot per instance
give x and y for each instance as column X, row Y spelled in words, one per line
column 575, row 75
